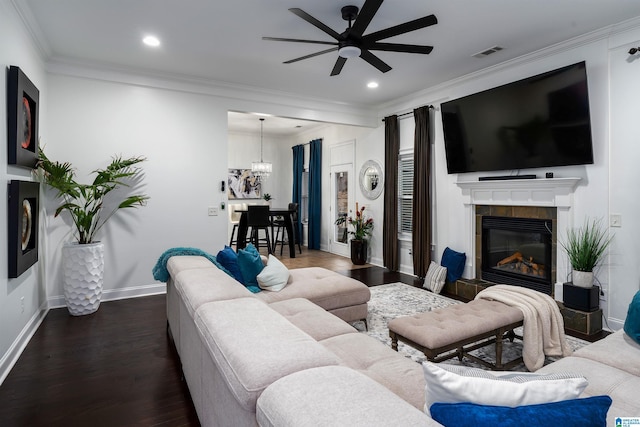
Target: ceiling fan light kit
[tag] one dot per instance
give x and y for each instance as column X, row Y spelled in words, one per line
column 352, row 42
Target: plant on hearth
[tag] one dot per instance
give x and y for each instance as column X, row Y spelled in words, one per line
column 85, row 202
column 362, row 226
column 586, row 245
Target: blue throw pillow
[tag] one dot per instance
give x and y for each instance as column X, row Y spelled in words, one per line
column 250, row 265
column 229, row 260
column 590, row 411
column 632, row 322
column 454, row 261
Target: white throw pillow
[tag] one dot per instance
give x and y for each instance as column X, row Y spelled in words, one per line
column 456, row 384
column 274, row 276
column 436, row 275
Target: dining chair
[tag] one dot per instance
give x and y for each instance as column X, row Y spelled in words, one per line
column 259, row 218
column 234, row 218
column 280, row 228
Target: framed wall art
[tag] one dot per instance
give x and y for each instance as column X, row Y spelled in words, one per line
column 23, row 226
column 23, row 110
column 243, row 184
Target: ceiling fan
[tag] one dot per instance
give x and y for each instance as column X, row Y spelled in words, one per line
column 352, row 42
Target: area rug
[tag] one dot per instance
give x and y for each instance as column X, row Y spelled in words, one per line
column 398, row 299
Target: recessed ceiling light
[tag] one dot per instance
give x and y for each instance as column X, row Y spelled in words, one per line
column 372, row 85
column 151, row 41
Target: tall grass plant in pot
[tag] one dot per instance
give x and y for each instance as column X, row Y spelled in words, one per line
column 586, row 247
column 83, row 259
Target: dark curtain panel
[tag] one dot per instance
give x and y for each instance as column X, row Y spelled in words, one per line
column 315, row 193
column 390, row 224
column 421, row 217
column 298, row 168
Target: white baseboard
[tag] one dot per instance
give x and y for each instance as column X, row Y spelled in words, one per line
column 117, row 294
column 10, row 358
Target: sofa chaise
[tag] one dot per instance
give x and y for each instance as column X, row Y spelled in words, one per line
column 290, row 358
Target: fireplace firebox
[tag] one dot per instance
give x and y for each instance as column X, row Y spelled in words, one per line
column 517, row 251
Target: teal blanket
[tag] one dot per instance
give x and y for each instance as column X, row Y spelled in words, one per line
column 161, row 273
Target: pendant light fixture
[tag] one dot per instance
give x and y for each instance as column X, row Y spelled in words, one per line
column 261, row 169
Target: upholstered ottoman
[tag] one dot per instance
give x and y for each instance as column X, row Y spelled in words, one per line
column 442, row 334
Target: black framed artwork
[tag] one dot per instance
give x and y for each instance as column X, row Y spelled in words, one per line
column 23, row 226
column 23, row 110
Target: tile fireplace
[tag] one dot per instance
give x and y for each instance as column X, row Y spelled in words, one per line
column 550, row 200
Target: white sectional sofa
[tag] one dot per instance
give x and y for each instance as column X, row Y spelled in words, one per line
column 279, row 359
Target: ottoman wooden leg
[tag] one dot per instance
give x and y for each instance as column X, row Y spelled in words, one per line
column 394, row 340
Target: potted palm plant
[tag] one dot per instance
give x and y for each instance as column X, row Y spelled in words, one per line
column 585, row 247
column 362, row 228
column 83, row 260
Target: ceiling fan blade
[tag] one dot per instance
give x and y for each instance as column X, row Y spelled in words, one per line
column 416, row 24
column 280, row 39
column 333, row 49
column 313, row 21
column 375, row 61
column 338, row 67
column 395, row 47
column 365, row 16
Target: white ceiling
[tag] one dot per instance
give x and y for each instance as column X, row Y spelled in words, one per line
column 221, row 41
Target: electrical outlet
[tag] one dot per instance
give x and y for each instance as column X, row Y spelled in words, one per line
column 21, row 304
column 615, row 220
column 213, row 211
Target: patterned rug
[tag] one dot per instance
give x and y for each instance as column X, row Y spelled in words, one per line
column 398, row 299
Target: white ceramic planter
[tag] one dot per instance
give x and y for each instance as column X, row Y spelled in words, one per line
column 583, row 279
column 83, row 272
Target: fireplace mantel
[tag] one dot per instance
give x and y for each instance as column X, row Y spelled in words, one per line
column 520, row 192
column 544, row 192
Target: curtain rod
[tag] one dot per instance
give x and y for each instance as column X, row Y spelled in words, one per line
column 411, row 112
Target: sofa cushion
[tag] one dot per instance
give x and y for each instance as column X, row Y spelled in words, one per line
column 632, row 322
column 312, row 319
column 454, row 261
column 228, row 258
column 621, row 386
column 323, row 287
column 379, row 362
column 455, row 384
column 591, row 411
column 627, row 352
column 334, row 396
column 176, row 264
column 274, row 276
column 252, row 345
column 202, row 285
column 435, row 278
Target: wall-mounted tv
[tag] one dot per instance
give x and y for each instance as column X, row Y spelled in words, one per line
column 540, row 121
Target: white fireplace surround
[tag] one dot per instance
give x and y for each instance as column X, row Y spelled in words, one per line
column 549, row 192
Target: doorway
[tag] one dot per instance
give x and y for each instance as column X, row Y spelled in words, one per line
column 342, row 196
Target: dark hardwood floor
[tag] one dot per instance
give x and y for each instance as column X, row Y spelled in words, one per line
column 117, row 367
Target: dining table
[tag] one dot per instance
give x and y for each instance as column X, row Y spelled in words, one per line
column 285, row 213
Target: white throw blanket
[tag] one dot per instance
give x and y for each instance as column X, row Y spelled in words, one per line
column 543, row 325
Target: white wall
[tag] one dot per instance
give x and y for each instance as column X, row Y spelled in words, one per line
column 184, row 138
column 597, row 194
column 22, row 300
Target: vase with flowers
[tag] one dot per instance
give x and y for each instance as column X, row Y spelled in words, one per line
column 362, row 228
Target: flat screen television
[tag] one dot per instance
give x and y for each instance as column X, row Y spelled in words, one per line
column 540, row 121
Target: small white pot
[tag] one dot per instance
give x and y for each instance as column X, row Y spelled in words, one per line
column 583, row 279
column 82, row 275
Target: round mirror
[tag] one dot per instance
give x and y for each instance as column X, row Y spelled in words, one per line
column 371, row 181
